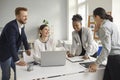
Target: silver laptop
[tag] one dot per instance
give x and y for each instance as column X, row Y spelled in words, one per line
column 53, row 58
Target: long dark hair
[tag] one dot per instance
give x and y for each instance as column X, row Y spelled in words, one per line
column 42, row 27
column 102, row 14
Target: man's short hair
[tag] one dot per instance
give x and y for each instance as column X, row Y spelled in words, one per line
column 18, row 9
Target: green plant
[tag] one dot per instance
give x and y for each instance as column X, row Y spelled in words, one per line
column 45, row 22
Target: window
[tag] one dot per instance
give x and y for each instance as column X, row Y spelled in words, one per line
column 82, row 10
column 76, row 7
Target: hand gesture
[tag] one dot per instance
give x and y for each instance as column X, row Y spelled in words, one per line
column 21, row 63
column 28, row 52
column 93, row 67
column 69, row 54
column 86, row 57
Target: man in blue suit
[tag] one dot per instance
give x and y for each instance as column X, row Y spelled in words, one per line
column 10, row 40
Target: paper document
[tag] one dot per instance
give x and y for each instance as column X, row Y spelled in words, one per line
column 80, row 59
column 76, row 59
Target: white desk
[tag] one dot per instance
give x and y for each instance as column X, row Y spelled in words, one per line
column 70, row 69
column 82, row 76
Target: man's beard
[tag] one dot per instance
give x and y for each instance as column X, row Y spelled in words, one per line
column 22, row 22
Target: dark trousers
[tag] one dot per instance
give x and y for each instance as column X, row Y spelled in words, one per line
column 112, row 71
column 14, row 68
column 6, row 71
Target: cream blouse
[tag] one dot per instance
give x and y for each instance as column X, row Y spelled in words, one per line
column 43, row 46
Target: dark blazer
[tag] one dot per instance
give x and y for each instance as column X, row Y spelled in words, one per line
column 10, row 41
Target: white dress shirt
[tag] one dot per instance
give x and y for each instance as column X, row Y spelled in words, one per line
column 20, row 26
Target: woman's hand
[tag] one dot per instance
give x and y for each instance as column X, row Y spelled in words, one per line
column 69, row 54
column 86, row 57
column 93, row 67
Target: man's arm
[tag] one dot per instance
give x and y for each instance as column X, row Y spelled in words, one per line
column 25, row 42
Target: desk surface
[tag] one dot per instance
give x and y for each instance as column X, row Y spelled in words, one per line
column 81, row 76
column 68, row 72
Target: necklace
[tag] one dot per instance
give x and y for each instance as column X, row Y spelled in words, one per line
column 44, row 40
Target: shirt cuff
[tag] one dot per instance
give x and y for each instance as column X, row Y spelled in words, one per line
column 17, row 61
column 97, row 62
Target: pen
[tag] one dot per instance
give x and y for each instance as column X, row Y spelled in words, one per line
column 54, row 76
column 81, row 71
column 79, row 61
column 58, row 75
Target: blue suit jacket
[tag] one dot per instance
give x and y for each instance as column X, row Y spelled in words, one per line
column 10, row 41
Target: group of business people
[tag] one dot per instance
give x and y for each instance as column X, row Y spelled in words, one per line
column 83, row 43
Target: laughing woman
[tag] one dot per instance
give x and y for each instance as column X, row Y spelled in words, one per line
column 44, row 43
column 83, row 43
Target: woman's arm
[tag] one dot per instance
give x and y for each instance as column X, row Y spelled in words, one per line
column 105, row 37
column 90, row 40
column 74, row 44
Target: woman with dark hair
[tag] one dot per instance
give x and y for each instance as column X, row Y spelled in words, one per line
column 44, row 43
column 83, row 43
column 109, row 35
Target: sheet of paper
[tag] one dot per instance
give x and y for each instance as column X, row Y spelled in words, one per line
column 79, row 59
column 76, row 59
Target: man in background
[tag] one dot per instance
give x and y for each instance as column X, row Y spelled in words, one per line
column 10, row 40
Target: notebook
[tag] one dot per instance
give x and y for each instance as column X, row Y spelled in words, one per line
column 53, row 58
column 80, row 59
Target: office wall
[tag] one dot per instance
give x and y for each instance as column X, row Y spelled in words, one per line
column 92, row 4
column 109, row 5
column 55, row 11
column 116, row 12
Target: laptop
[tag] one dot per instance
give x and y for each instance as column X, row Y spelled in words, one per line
column 53, row 58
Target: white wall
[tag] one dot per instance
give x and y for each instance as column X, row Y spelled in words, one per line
column 116, row 12
column 108, row 5
column 92, row 4
column 55, row 11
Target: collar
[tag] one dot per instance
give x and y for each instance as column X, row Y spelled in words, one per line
column 103, row 22
column 20, row 25
column 80, row 31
